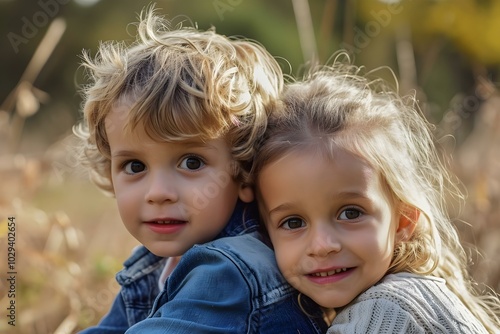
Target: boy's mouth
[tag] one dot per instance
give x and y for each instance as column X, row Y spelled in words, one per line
column 166, row 226
column 161, row 222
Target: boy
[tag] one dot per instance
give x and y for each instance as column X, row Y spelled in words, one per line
column 169, row 129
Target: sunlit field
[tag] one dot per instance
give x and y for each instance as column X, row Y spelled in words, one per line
column 69, row 243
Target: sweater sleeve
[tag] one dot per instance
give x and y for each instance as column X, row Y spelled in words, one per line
column 374, row 316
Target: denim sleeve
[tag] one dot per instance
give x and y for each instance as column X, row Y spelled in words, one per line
column 207, row 293
column 115, row 322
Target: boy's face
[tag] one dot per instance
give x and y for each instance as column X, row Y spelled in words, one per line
column 331, row 223
column 171, row 195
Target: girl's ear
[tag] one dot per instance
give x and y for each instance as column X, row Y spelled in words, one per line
column 246, row 193
column 407, row 222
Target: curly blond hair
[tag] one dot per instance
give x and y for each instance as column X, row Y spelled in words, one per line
column 337, row 106
column 185, row 83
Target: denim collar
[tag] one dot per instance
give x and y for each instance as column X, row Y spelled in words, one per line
column 243, row 220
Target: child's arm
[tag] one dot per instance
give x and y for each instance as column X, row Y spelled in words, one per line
column 230, row 286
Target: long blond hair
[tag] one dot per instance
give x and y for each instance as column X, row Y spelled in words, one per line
column 184, row 83
column 338, row 107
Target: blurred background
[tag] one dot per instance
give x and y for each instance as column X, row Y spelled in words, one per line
column 69, row 240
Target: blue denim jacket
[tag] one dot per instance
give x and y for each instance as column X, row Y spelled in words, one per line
column 229, row 285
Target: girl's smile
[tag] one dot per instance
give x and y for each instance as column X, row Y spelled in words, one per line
column 323, row 276
column 331, row 223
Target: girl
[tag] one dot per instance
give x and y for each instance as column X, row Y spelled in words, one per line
column 352, row 193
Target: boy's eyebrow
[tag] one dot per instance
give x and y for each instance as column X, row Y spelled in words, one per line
column 197, row 144
column 123, row 153
column 185, row 145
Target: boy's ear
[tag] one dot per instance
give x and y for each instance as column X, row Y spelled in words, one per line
column 246, row 193
column 408, row 218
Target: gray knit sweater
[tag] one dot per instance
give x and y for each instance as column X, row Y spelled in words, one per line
column 407, row 303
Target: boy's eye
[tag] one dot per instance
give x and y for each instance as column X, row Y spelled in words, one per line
column 349, row 214
column 293, row 223
column 134, row 167
column 192, row 163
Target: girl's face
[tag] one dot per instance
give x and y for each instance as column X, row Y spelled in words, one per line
column 171, row 195
column 331, row 223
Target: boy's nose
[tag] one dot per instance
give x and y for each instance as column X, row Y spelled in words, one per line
column 162, row 188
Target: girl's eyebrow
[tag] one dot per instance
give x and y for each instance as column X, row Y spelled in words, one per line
column 343, row 195
column 353, row 194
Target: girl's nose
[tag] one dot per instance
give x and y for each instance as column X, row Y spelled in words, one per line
column 161, row 188
column 324, row 241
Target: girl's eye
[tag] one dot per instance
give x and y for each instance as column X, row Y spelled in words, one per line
column 134, row 167
column 349, row 214
column 293, row 223
column 192, row 163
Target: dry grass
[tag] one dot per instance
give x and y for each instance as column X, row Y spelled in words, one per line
column 477, row 163
column 69, row 245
